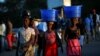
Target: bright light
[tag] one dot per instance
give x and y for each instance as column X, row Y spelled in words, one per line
column 58, row 3
column 2, row 1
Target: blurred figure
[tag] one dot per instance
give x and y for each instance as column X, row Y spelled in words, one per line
column 59, row 38
column 96, row 21
column 42, row 27
column 32, row 22
column 35, row 28
column 9, row 34
column 59, row 33
column 40, row 43
column 88, row 28
column 61, row 23
column 72, row 34
column 81, row 26
column 2, row 34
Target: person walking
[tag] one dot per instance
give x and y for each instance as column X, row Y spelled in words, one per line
column 9, row 34
column 51, row 48
column 2, row 34
column 96, row 21
column 88, row 28
column 81, row 26
column 26, row 39
column 51, row 40
column 72, row 32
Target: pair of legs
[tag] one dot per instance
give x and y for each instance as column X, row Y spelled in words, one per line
column 88, row 37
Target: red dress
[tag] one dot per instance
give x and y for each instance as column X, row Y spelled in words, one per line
column 10, row 40
column 73, row 48
column 73, row 44
column 51, row 48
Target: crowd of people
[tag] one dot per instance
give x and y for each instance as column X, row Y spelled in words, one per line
column 74, row 32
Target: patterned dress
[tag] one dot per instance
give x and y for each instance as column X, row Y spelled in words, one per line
column 24, row 37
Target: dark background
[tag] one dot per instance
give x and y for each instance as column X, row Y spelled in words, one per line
column 88, row 5
column 14, row 13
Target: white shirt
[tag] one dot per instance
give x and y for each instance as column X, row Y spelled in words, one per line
column 2, row 29
column 97, row 18
column 25, row 34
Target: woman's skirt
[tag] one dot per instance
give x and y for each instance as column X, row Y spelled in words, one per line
column 73, row 47
column 10, row 40
column 51, row 50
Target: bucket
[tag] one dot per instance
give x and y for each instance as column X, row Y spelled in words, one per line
column 72, row 11
column 48, row 15
column 42, row 26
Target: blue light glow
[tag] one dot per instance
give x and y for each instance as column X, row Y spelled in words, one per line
column 2, row 1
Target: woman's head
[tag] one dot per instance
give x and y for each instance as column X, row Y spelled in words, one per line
column 50, row 25
column 74, row 21
column 26, row 21
column 94, row 11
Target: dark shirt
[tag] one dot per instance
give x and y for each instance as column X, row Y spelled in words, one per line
column 82, row 28
column 71, row 34
column 94, row 20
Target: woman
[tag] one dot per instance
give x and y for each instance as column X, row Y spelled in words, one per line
column 51, row 47
column 26, row 39
column 71, row 37
column 35, row 28
column 9, row 35
column 36, row 33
